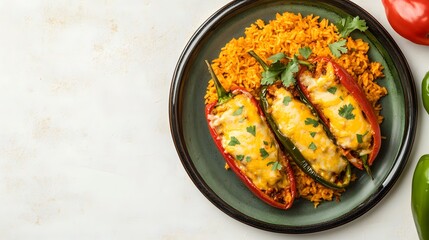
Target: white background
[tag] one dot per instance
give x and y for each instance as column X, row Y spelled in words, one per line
column 85, row 145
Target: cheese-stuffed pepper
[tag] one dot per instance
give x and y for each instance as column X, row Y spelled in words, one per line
column 343, row 107
column 240, row 132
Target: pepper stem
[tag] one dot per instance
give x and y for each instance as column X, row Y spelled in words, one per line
column 366, row 166
column 222, row 94
column 259, row 60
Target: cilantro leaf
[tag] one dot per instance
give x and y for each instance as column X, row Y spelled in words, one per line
column 277, row 57
column 346, row 111
column 278, row 70
column 239, row 157
column 264, row 153
column 234, row 141
column 269, row 77
column 248, row 158
column 305, row 52
column 287, row 75
column 287, row 100
column 251, row 130
column 312, row 146
column 312, row 134
column 311, row 121
column 277, row 66
column 276, row 165
column 338, row 48
column 332, row 90
column 347, row 25
column 239, row 111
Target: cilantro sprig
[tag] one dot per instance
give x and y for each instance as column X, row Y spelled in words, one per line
column 282, row 68
column 338, row 48
column 347, row 25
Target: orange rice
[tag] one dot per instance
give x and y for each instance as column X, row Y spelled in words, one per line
column 288, row 33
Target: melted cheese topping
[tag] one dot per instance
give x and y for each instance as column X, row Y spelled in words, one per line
column 353, row 133
column 296, row 122
column 247, row 138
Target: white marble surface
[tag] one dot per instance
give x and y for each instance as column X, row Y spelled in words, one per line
column 85, row 146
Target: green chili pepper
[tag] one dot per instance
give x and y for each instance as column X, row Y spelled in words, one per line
column 420, row 197
column 425, row 92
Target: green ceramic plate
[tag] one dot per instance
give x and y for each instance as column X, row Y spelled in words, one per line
column 204, row 163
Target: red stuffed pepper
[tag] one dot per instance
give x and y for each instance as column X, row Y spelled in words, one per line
column 343, row 107
column 240, row 132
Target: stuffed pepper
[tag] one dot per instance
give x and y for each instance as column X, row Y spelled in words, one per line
column 241, row 134
column 344, row 109
column 303, row 137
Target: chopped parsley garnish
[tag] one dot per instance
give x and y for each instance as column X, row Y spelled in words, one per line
column 239, row 111
column 248, row 158
column 311, row 121
column 347, row 25
column 275, row 165
column 312, row 134
column 264, row 153
column 265, row 143
column 332, row 90
column 359, row 137
column 234, row 141
column 312, row 146
column 346, row 111
column 251, row 130
column 305, row 52
column 287, row 100
column 239, row 157
column 338, row 48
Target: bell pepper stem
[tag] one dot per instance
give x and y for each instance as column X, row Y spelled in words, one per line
column 222, row 94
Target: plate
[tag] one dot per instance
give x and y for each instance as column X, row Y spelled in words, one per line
column 205, row 165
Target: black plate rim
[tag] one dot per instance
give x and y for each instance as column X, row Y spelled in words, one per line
column 411, row 111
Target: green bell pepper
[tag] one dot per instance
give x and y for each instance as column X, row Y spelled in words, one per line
column 420, row 197
column 425, row 92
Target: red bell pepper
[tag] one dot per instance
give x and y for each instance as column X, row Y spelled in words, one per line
column 273, row 197
column 409, row 18
column 355, row 91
